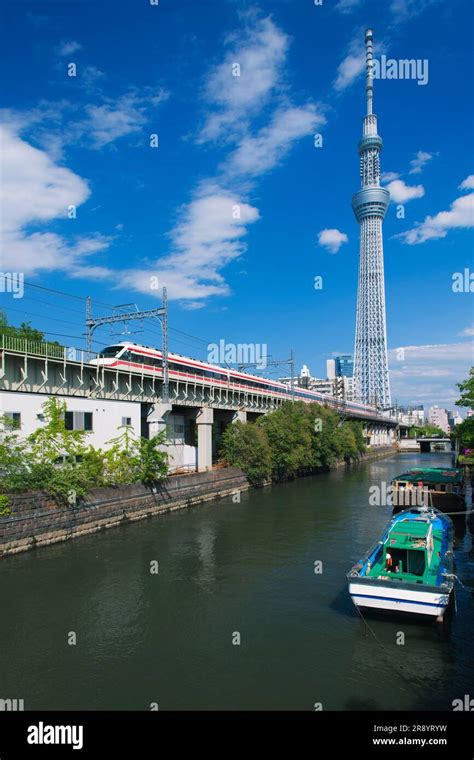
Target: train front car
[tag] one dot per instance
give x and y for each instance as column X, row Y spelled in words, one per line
column 109, row 355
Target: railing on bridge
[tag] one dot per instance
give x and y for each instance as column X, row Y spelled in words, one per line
column 43, row 349
column 34, row 348
column 57, row 353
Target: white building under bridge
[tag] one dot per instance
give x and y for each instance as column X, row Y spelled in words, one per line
column 125, row 388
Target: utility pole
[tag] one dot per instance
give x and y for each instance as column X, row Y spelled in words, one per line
column 164, row 349
column 161, row 314
column 292, row 365
column 88, row 319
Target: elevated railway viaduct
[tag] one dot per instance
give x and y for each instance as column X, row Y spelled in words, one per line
column 100, row 399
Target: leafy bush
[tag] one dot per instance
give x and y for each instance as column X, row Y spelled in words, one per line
column 153, row 462
column 4, row 508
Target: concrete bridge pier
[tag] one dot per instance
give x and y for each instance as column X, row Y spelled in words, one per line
column 377, row 434
column 157, row 418
column 204, row 421
column 239, row 416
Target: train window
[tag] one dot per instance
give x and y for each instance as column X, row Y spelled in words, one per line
column 138, row 359
column 110, row 352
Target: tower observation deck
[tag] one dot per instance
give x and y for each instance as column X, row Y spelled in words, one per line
column 370, row 204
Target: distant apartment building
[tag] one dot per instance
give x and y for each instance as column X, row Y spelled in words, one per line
column 438, row 418
column 454, row 418
column 344, row 365
column 340, row 366
column 341, row 387
column 331, row 369
column 413, row 416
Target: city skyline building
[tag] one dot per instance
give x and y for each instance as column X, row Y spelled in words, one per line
column 370, row 206
column 438, row 418
column 344, row 365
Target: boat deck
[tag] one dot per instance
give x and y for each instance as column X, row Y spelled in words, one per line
column 406, row 536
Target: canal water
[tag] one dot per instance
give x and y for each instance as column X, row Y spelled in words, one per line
column 228, row 570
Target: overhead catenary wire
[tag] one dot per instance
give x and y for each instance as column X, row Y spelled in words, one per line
column 181, row 337
column 63, row 294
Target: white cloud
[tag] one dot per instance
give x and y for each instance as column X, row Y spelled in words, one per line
column 389, row 176
column 468, row 183
column 352, row 65
column 211, row 230
column 459, row 216
column 332, row 239
column 260, row 153
column 402, row 193
column 68, row 47
column 405, row 10
column 418, row 163
column 90, row 75
column 207, row 238
column 35, row 191
column 428, row 374
column 57, row 124
column 346, row 6
column 260, row 52
column 114, row 119
column 467, row 332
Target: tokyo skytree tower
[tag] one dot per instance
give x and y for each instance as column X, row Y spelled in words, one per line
column 370, row 205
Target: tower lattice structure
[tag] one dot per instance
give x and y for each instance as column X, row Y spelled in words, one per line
column 371, row 379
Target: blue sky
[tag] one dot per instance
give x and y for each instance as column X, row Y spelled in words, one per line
column 236, row 211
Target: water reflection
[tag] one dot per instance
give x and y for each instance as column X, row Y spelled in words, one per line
column 226, row 568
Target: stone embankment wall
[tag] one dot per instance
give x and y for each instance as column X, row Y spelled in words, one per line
column 37, row 520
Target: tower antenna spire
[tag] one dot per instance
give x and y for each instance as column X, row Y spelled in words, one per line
column 369, row 78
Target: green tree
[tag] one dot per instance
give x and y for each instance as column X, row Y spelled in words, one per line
column 295, row 438
column 59, row 459
column 60, row 462
column 153, row 460
column 289, row 430
column 426, row 431
column 467, row 391
column 464, row 432
column 25, row 330
column 245, row 445
column 14, row 458
column 52, row 442
column 121, row 459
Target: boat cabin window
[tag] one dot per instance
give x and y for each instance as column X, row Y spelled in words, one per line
column 410, row 561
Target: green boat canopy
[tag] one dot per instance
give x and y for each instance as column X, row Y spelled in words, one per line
column 431, row 475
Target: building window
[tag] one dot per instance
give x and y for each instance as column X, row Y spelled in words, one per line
column 78, row 421
column 175, row 429
column 15, row 417
column 126, row 421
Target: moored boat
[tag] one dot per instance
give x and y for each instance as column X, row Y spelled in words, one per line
column 438, row 487
column 410, row 570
